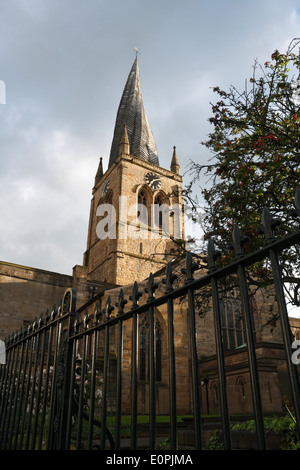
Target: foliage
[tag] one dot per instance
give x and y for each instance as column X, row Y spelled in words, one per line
column 285, row 426
column 255, row 144
column 86, row 381
column 215, row 442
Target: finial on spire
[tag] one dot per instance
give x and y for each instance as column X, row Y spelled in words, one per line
column 124, row 146
column 99, row 173
column 174, row 164
column 137, row 51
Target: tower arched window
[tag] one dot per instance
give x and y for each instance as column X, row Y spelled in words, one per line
column 214, row 393
column 106, row 202
column 142, row 211
column 158, row 217
column 241, row 387
column 161, row 215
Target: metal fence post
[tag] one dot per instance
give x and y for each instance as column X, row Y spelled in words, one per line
column 188, row 271
column 268, row 225
column 62, row 376
column 249, row 327
column 212, row 255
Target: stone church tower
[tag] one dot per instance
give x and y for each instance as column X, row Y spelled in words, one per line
column 136, row 214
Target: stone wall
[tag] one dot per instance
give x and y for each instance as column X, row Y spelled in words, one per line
column 27, row 292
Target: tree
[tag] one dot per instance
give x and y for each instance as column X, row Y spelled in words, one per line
column 256, row 161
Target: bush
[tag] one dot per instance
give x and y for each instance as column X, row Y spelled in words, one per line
column 285, row 426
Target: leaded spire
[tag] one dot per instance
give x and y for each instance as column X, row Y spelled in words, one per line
column 132, row 113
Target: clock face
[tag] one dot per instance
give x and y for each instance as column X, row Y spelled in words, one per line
column 153, row 180
column 105, row 187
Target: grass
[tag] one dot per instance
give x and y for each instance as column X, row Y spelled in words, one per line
column 141, row 420
column 144, row 419
column 125, row 423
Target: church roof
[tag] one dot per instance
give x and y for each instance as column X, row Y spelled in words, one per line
column 132, row 113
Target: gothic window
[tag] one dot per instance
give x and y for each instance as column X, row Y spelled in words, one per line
column 233, row 333
column 161, row 214
column 214, row 393
column 142, row 207
column 241, row 387
column 158, row 212
column 270, row 391
column 144, row 345
column 105, row 212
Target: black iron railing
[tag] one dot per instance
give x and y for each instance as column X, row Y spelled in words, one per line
column 43, row 383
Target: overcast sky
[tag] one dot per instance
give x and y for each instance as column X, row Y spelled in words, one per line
column 64, row 64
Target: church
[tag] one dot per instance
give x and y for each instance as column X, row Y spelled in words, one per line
column 131, row 244
column 136, row 226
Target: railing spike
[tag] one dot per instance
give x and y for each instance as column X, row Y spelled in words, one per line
column 151, row 287
column 190, row 267
column 35, row 324
column 41, row 320
column 170, row 278
column 97, row 313
column 108, row 308
column 238, row 241
column 30, row 327
column 212, row 256
column 136, row 294
column 53, row 313
column 77, row 323
column 268, row 225
column 121, row 302
column 86, row 319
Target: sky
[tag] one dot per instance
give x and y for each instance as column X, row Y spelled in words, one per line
column 63, row 67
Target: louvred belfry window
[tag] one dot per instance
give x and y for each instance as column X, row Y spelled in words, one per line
column 142, row 208
column 158, row 212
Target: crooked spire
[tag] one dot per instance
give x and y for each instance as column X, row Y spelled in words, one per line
column 132, row 113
